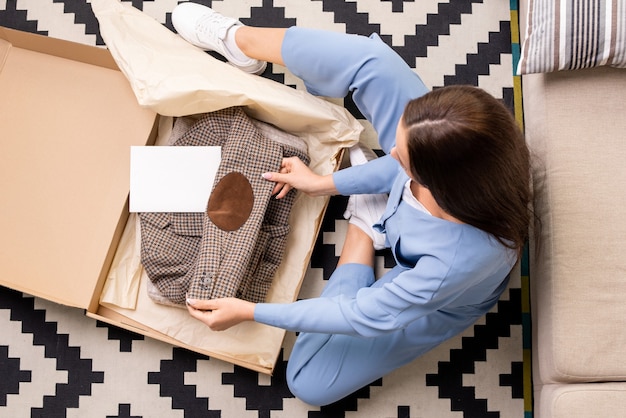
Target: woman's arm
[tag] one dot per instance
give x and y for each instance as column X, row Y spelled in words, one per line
column 221, row 314
column 376, row 176
column 357, row 310
column 294, row 174
column 368, row 311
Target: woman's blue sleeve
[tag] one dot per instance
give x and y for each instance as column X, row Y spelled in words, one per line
column 370, row 311
column 376, row 176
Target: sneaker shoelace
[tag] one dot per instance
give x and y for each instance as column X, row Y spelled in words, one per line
column 213, row 26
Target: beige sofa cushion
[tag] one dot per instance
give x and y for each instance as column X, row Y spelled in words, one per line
column 583, row 400
column 576, row 128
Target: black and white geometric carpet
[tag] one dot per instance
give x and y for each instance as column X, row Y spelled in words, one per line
column 56, row 362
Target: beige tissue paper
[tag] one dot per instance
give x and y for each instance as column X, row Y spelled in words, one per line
column 174, row 78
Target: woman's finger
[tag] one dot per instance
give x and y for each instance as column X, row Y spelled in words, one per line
column 277, row 188
column 272, row 176
column 196, row 313
column 280, row 180
column 202, row 305
column 283, row 190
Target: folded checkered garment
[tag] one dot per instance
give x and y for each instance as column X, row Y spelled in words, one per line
column 234, row 248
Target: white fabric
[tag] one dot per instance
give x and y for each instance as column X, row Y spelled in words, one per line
column 407, row 196
column 365, row 210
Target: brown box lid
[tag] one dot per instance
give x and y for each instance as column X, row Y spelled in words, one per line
column 67, row 120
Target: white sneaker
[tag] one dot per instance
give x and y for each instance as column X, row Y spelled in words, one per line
column 205, row 28
column 360, row 154
column 364, row 210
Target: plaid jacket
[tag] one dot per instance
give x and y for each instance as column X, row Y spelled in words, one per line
column 235, row 247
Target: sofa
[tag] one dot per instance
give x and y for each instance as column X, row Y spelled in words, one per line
column 575, row 125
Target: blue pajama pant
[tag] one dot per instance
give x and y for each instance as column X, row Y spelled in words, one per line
column 325, row 368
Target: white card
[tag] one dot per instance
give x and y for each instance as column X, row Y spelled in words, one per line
column 172, row 178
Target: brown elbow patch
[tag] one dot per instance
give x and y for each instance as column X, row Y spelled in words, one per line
column 231, row 202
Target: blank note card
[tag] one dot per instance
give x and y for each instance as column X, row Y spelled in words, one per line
column 172, row 178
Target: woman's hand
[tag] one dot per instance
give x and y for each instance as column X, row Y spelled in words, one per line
column 221, row 314
column 294, row 174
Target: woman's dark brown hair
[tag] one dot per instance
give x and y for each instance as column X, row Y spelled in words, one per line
column 465, row 146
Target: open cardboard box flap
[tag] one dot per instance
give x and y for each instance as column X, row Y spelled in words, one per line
column 67, row 119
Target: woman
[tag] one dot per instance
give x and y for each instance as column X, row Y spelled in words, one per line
column 457, row 179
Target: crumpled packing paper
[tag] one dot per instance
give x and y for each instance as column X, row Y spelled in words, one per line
column 174, row 78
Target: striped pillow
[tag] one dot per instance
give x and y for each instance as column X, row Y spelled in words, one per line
column 573, row 34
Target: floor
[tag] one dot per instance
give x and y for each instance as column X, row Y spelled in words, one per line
column 56, row 362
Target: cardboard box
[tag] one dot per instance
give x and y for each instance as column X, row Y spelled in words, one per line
column 67, row 120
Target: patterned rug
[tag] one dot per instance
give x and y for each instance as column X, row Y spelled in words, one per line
column 55, row 362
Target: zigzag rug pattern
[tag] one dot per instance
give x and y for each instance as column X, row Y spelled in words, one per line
column 55, row 362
